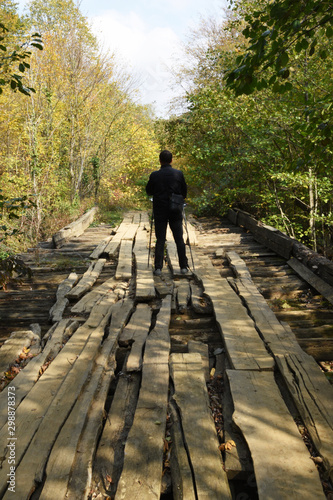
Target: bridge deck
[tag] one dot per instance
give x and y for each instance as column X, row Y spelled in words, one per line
column 112, row 400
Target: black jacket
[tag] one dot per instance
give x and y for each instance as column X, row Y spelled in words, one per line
column 162, row 183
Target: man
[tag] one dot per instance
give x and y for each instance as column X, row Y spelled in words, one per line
column 162, row 183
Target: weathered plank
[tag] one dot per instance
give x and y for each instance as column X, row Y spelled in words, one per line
column 143, row 479
column 198, row 426
column 135, row 334
column 76, row 228
column 195, row 346
column 313, row 396
column 110, row 453
column 238, row 462
column 246, row 350
column 131, row 230
column 183, row 294
column 99, row 250
column 87, row 281
column 238, row 265
column 112, row 247
column 199, row 302
column 317, row 283
column 124, row 268
column 13, row 347
column 62, row 302
column 282, row 463
column 86, row 303
column 182, row 480
column 145, row 288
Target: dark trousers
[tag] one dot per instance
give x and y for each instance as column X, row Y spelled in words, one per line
column 176, row 226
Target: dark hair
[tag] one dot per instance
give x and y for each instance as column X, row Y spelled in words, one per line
column 165, row 156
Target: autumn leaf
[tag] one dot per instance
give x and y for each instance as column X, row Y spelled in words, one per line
column 227, row 446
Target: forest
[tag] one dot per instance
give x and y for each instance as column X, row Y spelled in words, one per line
column 252, row 129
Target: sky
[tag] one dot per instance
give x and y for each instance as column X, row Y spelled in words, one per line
column 146, row 36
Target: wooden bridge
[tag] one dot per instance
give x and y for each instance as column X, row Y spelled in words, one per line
column 120, row 384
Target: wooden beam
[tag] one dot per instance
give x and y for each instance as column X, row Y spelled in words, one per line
column 76, row 228
column 317, row 283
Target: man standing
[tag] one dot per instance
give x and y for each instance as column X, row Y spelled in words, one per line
column 162, row 184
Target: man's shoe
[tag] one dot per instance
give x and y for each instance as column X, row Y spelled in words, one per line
column 157, row 272
column 184, row 270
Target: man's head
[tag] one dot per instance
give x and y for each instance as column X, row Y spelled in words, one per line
column 165, row 157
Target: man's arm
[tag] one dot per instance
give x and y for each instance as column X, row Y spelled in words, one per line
column 183, row 186
column 150, row 186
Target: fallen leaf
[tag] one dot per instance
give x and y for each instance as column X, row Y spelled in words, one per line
column 227, row 446
column 108, row 478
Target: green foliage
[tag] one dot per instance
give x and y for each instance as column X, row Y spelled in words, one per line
column 260, row 148
column 273, row 32
column 14, row 61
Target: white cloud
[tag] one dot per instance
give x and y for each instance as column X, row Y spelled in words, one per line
column 149, row 51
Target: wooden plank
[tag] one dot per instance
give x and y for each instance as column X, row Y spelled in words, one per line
column 317, row 283
column 199, row 302
column 131, row 231
column 142, row 479
column 238, row 462
column 182, row 480
column 124, row 268
column 62, row 302
column 245, row 349
column 183, row 294
column 64, row 451
column 110, row 453
column 136, row 333
column 86, row 303
column 198, row 426
column 282, row 463
column 99, row 250
column 33, row 408
column 113, row 246
column 87, row 281
column 145, row 288
column 195, row 346
column 238, row 265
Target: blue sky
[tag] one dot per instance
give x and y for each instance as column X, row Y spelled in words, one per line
column 146, row 37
